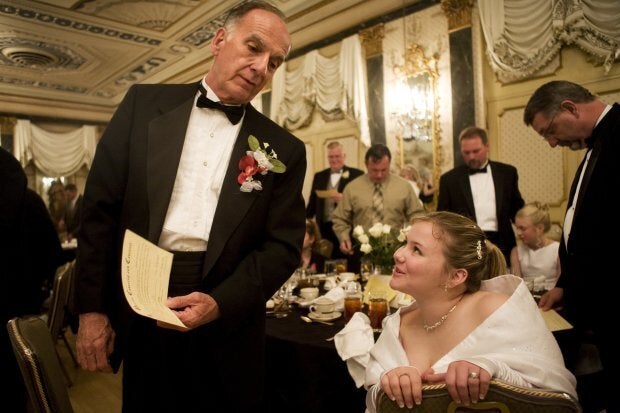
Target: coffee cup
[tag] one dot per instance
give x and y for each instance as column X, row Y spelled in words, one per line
column 323, row 306
column 309, row 293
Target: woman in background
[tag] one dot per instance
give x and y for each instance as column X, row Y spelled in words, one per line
column 311, row 260
column 536, row 255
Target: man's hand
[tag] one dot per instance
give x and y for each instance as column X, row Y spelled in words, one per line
column 95, row 342
column 193, row 310
column 346, row 247
column 551, row 298
column 336, row 198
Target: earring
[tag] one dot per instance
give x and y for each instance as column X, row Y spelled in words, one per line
column 445, row 286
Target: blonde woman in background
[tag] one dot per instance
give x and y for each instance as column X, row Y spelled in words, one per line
column 421, row 186
column 536, row 255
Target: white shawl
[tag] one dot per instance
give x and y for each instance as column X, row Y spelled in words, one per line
column 513, row 344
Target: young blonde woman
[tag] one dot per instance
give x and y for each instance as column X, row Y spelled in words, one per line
column 468, row 324
column 536, row 255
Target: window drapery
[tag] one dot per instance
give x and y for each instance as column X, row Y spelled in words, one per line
column 336, row 86
column 55, row 154
column 525, row 36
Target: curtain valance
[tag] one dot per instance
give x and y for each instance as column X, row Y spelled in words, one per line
column 525, row 36
column 56, row 154
column 336, row 86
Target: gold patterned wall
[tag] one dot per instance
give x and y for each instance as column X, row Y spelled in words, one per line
column 539, row 166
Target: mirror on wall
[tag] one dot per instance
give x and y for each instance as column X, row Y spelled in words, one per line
column 418, row 115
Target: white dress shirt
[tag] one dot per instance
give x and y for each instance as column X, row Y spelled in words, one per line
column 209, row 141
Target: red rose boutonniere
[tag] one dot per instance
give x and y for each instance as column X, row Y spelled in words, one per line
column 258, row 160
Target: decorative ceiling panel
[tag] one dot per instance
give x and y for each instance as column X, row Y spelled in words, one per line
column 82, row 55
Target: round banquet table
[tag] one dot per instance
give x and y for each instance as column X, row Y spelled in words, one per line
column 305, row 374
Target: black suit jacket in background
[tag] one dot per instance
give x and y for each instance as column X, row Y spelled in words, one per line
column 255, row 239
column 455, row 195
column 316, row 205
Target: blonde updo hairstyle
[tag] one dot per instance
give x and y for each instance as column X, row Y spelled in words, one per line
column 465, row 246
column 538, row 213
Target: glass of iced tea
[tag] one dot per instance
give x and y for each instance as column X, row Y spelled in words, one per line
column 378, row 309
column 352, row 299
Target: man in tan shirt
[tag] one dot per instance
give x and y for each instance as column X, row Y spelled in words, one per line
column 358, row 206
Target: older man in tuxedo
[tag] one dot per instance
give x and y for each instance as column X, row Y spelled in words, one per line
column 335, row 178
column 568, row 115
column 198, row 171
column 483, row 190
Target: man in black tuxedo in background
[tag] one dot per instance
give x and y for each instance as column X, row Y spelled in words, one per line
column 195, row 169
column 30, row 253
column 337, row 176
column 73, row 209
column 483, row 190
column 568, row 115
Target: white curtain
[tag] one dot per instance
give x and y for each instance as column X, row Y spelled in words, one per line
column 525, row 36
column 335, row 86
column 56, row 154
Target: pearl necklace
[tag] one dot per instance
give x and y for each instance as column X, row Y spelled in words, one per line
column 442, row 319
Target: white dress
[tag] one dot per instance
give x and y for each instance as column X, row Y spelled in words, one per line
column 535, row 263
column 513, row 344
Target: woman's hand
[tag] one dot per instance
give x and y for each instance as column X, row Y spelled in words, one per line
column 466, row 382
column 403, row 385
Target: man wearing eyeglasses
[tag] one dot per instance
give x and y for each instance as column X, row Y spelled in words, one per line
column 567, row 115
column 485, row 191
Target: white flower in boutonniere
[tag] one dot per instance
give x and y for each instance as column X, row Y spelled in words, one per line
column 345, row 174
column 258, row 160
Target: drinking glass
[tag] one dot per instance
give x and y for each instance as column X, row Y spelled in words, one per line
column 352, row 299
column 378, row 309
column 365, row 268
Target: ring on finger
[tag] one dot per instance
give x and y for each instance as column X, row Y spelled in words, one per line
column 473, row 375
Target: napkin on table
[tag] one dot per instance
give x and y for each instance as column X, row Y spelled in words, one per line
column 353, row 344
column 336, row 294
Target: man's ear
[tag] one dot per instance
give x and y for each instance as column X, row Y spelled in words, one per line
column 569, row 106
column 218, row 40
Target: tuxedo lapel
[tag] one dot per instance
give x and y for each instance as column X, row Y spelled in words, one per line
column 587, row 175
column 343, row 181
column 233, row 204
column 165, row 145
column 463, row 183
column 498, row 184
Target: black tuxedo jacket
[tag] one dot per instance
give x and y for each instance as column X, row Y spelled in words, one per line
column 455, row 195
column 255, row 240
column 588, row 261
column 72, row 218
column 316, row 205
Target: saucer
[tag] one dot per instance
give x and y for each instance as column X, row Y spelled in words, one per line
column 324, row 317
column 303, row 303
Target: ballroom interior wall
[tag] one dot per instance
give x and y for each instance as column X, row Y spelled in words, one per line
column 545, row 174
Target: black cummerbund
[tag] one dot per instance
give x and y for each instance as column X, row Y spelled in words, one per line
column 186, row 272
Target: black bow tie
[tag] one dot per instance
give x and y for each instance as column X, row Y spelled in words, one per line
column 476, row 171
column 234, row 113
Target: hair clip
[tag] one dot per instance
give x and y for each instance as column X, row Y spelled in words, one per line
column 479, row 249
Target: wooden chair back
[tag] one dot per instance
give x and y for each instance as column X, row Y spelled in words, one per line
column 501, row 398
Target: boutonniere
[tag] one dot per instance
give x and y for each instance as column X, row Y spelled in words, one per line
column 345, row 174
column 258, row 160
